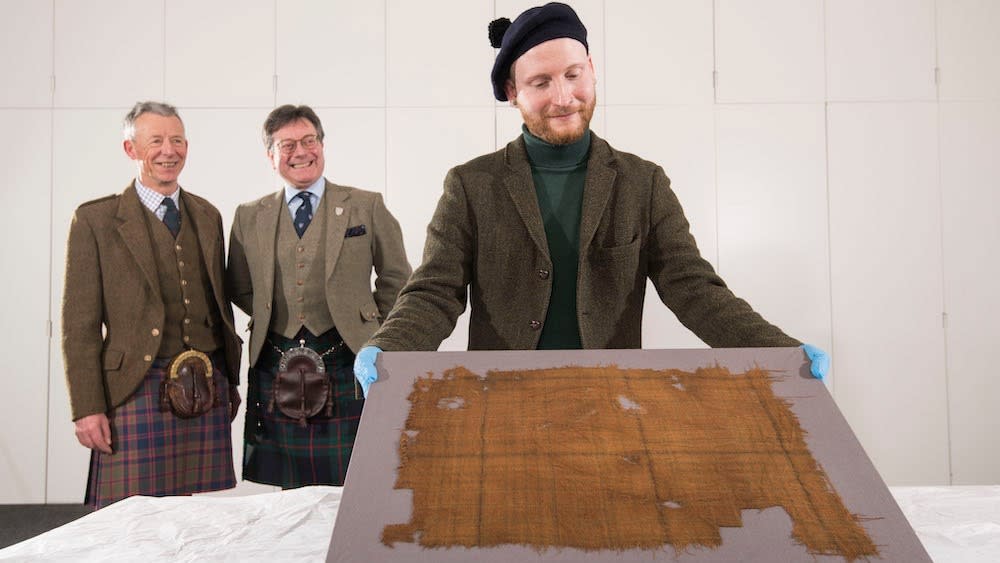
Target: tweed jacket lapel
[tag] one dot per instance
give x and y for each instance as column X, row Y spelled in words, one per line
column 267, row 238
column 336, row 223
column 135, row 236
column 205, row 228
column 596, row 188
column 521, row 188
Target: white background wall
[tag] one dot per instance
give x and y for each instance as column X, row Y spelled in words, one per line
column 836, row 158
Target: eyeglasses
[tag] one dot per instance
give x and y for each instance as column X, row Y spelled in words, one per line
column 287, row 146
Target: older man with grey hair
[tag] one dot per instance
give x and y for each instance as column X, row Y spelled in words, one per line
column 151, row 353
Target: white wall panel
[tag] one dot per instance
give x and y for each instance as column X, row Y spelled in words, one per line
column 24, row 233
column 226, row 161
column 886, row 272
column 970, row 143
column 220, row 54
column 681, row 139
column 415, row 178
column 88, row 162
column 969, row 49
column 108, row 53
column 769, row 51
column 438, row 61
column 331, row 53
column 25, row 53
column 773, row 235
column 668, row 62
column 355, row 148
column 880, row 50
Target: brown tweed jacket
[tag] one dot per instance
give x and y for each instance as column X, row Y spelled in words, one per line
column 112, row 312
column 487, row 236
column 355, row 308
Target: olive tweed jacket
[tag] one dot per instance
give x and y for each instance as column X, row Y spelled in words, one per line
column 112, row 311
column 487, row 242
column 377, row 244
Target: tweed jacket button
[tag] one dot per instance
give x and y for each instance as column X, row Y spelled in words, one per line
column 148, row 358
column 535, row 325
column 543, row 274
column 155, row 332
column 187, row 339
column 180, row 264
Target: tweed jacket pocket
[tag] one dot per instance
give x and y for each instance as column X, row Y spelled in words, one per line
column 617, row 252
column 112, row 359
column 355, row 231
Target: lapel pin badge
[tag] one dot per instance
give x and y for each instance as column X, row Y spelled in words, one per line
column 339, row 211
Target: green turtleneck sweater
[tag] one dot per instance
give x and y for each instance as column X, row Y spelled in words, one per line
column 559, row 172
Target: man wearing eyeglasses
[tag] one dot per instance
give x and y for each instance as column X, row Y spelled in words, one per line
column 300, row 264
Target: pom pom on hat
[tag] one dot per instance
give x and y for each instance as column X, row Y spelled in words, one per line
column 497, row 28
column 535, row 25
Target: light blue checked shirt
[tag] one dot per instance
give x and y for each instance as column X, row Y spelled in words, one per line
column 153, row 200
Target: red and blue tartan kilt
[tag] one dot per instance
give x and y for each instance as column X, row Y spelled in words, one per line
column 277, row 449
column 158, row 454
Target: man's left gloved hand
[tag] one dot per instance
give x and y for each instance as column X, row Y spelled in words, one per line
column 820, row 361
column 364, row 367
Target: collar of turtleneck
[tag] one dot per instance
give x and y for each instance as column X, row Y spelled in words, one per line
column 556, row 157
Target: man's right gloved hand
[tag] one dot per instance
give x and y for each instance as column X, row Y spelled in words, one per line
column 364, row 367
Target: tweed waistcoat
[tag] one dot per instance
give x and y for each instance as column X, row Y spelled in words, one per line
column 300, row 277
column 192, row 319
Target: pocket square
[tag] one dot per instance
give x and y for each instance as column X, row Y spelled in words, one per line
column 355, row 231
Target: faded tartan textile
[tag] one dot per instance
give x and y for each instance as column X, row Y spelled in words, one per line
column 608, row 458
column 158, row 454
column 279, row 451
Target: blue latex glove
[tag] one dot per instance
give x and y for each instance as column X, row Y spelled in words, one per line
column 820, row 361
column 364, row 367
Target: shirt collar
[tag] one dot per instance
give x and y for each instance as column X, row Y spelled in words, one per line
column 316, row 189
column 152, row 198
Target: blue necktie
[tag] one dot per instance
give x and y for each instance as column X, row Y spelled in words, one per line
column 172, row 217
column 304, row 214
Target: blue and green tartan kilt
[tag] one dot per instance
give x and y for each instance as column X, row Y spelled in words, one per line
column 277, row 449
column 156, row 453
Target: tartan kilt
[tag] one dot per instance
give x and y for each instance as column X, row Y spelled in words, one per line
column 277, row 450
column 158, row 454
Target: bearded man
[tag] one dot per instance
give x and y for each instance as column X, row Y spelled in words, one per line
column 554, row 236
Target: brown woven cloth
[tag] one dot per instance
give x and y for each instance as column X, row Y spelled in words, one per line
column 609, row 459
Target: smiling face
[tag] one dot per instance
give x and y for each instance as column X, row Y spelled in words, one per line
column 159, row 150
column 553, row 86
column 303, row 164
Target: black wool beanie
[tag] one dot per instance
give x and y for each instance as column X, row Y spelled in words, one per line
column 533, row 26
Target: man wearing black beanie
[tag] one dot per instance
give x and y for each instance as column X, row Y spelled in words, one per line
column 556, row 233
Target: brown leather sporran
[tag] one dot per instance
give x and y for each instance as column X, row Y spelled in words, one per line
column 187, row 388
column 301, row 388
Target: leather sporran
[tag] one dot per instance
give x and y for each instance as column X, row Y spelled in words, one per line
column 188, row 389
column 301, row 387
